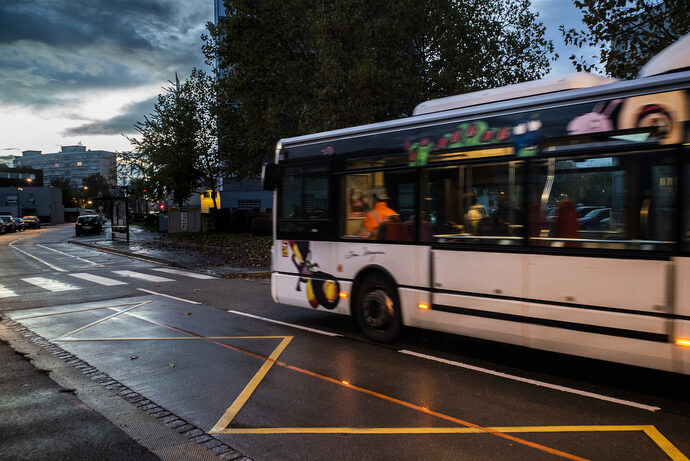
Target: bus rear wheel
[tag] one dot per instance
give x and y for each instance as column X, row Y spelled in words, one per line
column 378, row 310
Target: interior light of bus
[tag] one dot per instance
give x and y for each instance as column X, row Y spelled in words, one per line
column 683, row 342
column 343, row 294
column 423, row 306
column 347, row 383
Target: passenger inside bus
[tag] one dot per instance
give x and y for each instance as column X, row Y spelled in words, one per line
column 474, row 215
column 381, row 214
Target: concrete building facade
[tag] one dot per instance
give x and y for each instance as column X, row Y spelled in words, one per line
column 44, row 202
column 20, row 177
column 72, row 162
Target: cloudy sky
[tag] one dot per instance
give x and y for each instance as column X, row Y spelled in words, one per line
column 84, row 71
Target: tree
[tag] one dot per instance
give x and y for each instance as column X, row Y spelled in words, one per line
column 289, row 68
column 628, row 33
column 178, row 148
column 65, row 185
column 96, row 184
column 209, row 164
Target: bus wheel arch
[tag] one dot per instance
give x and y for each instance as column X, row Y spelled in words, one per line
column 376, row 305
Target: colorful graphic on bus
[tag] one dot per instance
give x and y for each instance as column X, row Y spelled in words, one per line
column 322, row 289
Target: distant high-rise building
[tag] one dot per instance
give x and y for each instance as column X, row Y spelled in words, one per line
column 218, row 10
column 72, row 162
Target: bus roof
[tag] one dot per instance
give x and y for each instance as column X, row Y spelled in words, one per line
column 674, row 57
column 546, row 85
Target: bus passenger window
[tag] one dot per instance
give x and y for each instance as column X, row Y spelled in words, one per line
column 686, row 194
column 378, row 206
column 303, row 203
column 478, row 204
column 613, row 202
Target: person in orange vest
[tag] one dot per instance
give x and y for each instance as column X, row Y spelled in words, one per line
column 380, row 214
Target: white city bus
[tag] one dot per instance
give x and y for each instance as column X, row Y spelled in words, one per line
column 552, row 214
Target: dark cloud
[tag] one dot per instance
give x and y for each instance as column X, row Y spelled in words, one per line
column 52, row 48
column 121, row 124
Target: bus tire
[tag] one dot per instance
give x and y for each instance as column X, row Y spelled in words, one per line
column 378, row 309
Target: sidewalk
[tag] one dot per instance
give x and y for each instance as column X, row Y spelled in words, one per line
column 56, row 412
column 160, row 247
column 58, row 407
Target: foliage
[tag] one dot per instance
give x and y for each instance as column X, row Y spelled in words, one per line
column 289, row 68
column 65, row 185
column 177, row 151
column 628, row 33
column 222, row 250
column 96, row 184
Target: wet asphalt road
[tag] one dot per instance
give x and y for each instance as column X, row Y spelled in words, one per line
column 212, row 352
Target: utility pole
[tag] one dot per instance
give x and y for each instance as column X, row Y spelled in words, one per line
column 19, row 203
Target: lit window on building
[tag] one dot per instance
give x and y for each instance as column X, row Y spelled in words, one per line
column 79, row 163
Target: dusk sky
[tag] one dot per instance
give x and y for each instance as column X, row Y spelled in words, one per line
column 84, row 71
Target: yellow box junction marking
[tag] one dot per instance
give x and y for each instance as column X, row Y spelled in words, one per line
column 223, row 424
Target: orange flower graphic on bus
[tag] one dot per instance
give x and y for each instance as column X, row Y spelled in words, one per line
column 322, row 289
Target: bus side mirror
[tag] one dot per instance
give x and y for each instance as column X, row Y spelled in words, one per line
column 269, row 176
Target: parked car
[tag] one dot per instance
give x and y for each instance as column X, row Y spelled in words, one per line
column 7, row 224
column 88, row 224
column 19, row 224
column 593, row 219
column 32, row 222
column 582, row 211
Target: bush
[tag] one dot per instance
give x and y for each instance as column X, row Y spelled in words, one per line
column 241, row 222
column 151, row 220
column 261, row 225
column 222, row 219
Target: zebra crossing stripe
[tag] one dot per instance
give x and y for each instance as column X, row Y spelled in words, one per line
column 185, row 273
column 98, row 279
column 6, row 292
column 139, row 275
column 51, row 285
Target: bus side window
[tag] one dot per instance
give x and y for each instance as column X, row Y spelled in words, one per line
column 686, row 204
column 356, row 195
column 379, row 206
column 614, row 202
column 475, row 203
column 303, row 200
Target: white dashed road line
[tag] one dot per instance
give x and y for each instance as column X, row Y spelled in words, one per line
column 66, row 254
column 533, row 382
column 313, row 330
column 139, row 275
column 167, row 296
column 55, row 268
column 48, row 284
column 6, row 292
column 185, row 273
column 98, row 279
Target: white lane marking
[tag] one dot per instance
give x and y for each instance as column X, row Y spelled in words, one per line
column 55, row 268
column 48, row 284
column 534, row 382
column 313, row 330
column 6, row 292
column 139, row 275
column 167, row 296
column 98, row 279
column 185, row 273
column 66, row 254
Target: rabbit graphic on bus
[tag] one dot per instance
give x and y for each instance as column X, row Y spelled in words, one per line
column 322, row 288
